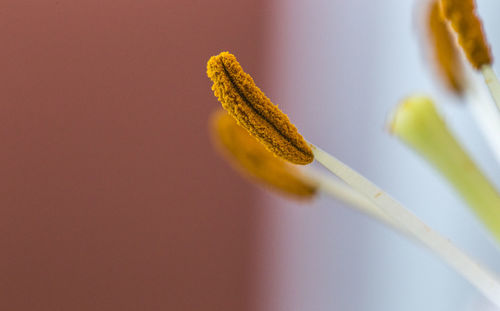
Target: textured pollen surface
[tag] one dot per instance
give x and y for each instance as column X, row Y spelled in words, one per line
column 444, row 50
column 252, row 109
column 251, row 158
column 465, row 22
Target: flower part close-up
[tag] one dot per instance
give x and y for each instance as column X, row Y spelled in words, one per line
column 254, row 159
column 416, row 122
column 254, row 111
column 250, row 155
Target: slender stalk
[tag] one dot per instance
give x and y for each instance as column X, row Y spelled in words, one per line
column 485, row 281
column 417, row 123
column 342, row 192
column 485, row 114
column 492, row 82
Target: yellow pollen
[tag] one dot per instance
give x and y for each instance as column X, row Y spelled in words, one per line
column 444, row 50
column 255, row 112
column 462, row 16
column 251, row 158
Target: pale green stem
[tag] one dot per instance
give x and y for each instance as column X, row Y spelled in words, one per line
column 485, row 114
column 492, row 82
column 417, row 123
column 485, row 281
column 354, row 199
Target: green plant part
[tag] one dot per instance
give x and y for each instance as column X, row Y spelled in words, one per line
column 417, row 123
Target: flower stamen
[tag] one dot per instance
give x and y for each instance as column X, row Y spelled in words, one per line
column 254, row 111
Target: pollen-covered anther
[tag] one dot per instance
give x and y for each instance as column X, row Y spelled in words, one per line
column 444, row 50
column 251, row 158
column 254, row 111
column 464, row 20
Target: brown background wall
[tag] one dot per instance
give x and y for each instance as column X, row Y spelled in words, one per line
column 111, row 197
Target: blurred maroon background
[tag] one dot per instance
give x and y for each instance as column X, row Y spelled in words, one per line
column 111, row 196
